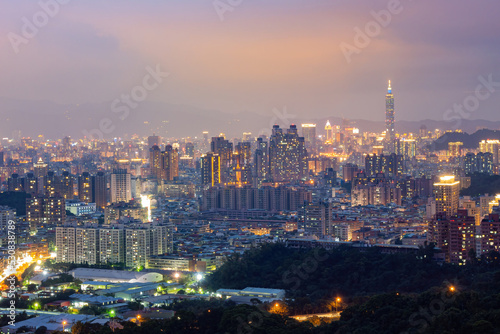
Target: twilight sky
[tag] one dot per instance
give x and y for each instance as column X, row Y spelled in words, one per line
column 265, row 54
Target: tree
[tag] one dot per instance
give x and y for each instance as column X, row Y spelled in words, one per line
column 41, row 330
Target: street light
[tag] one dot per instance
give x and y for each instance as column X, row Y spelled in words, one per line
column 64, row 324
column 452, row 288
column 139, row 320
column 337, row 301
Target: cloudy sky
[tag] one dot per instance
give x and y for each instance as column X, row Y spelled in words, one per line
column 255, row 55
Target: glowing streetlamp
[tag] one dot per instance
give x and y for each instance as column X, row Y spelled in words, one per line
column 452, row 288
column 138, row 320
column 64, row 324
column 337, row 301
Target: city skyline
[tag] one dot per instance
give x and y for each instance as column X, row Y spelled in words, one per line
column 285, row 166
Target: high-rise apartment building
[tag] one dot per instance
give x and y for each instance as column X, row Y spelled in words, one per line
column 261, row 162
column 454, row 234
column 210, row 169
column 85, row 187
column 407, row 148
column 131, row 244
column 391, row 165
column 100, row 190
column 6, row 214
column 491, row 146
column 164, row 165
column 170, row 163
column 65, row 185
column 155, row 163
column 45, row 210
column 478, row 163
column 455, row 148
column 121, row 190
column 224, row 149
column 287, row 155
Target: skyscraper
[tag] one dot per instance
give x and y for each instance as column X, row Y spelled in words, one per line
column 309, row 134
column 447, row 194
column 389, row 116
column 329, row 132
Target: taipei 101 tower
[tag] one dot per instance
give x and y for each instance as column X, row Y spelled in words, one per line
column 389, row 117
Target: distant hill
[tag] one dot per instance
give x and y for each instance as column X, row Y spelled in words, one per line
column 470, row 141
column 53, row 120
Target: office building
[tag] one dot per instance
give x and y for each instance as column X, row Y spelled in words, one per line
column 446, row 192
column 309, row 134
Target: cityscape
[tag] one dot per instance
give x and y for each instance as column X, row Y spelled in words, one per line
column 212, row 207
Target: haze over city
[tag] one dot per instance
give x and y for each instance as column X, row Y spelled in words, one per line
column 245, row 59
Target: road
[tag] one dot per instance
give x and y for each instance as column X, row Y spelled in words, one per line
column 304, row 317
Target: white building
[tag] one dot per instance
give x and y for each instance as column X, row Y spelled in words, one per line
column 80, row 208
column 115, row 276
column 121, row 189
